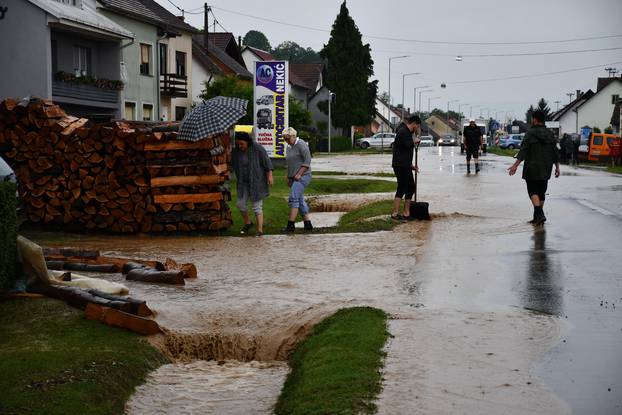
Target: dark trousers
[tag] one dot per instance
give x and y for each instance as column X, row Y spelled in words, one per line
column 537, row 187
column 405, row 182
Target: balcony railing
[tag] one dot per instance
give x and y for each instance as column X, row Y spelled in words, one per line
column 173, row 85
column 82, row 92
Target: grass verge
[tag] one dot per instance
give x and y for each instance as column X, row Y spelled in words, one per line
column 615, row 169
column 502, row 151
column 53, row 361
column 336, row 370
column 276, row 210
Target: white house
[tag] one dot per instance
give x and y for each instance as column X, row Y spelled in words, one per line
column 593, row 110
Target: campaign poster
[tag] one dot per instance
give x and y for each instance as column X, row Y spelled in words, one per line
column 271, row 113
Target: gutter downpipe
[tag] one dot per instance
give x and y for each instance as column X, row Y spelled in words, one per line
column 158, row 73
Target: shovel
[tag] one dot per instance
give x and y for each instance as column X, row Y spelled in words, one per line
column 418, row 210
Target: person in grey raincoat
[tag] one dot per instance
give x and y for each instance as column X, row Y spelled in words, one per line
column 539, row 152
column 253, row 170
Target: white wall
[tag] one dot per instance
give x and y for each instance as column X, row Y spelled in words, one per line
column 249, row 60
column 597, row 111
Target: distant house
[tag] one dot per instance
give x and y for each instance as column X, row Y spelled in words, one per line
column 593, row 110
column 226, row 41
column 213, row 63
column 568, row 117
column 143, row 63
column 441, row 126
column 65, row 51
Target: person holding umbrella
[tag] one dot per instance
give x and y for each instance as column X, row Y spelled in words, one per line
column 298, row 159
column 253, row 170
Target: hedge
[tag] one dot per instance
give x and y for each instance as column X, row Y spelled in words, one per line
column 337, row 143
column 8, row 235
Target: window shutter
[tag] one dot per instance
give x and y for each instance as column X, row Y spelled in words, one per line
column 144, row 53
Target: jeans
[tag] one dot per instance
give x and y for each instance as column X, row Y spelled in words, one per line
column 297, row 193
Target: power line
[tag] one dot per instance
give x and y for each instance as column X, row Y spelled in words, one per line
column 496, row 55
column 433, row 42
column 531, row 75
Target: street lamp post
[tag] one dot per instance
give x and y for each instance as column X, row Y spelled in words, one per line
column 403, row 81
column 390, row 59
column 430, row 99
column 330, row 98
column 421, row 92
column 449, row 102
column 471, row 110
column 415, row 97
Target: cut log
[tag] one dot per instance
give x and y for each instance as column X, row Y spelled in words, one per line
column 153, row 276
column 188, row 198
column 186, row 180
column 118, row 318
column 81, row 266
column 139, row 307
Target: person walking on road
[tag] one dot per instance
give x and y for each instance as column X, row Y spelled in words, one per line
column 539, row 152
column 298, row 159
column 402, row 163
column 473, row 140
column 253, row 170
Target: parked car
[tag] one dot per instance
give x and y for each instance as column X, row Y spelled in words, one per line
column 447, row 140
column 378, row 140
column 427, row 141
column 265, row 100
column 511, row 141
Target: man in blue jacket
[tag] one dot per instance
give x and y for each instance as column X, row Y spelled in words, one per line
column 403, row 167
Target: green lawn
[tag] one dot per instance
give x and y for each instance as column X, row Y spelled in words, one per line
column 276, row 209
column 615, row 169
column 336, row 370
column 53, row 361
column 502, row 152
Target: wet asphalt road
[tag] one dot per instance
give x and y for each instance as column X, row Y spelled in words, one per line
column 570, row 268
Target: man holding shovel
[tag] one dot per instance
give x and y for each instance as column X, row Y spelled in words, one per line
column 403, row 166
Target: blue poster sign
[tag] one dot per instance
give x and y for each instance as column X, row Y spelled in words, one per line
column 271, row 113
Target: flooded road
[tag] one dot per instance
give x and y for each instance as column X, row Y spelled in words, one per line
column 489, row 316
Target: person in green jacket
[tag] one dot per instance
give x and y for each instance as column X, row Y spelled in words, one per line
column 539, row 152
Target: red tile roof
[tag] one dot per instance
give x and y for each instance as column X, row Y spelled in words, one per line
column 262, row 54
column 309, row 73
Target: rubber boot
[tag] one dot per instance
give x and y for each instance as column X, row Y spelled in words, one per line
column 308, row 226
column 469, row 168
column 476, row 167
column 290, row 228
column 538, row 216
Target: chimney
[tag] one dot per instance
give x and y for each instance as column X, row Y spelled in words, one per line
column 579, row 93
column 180, row 18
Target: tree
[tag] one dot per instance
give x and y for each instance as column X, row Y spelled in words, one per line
column 299, row 117
column 349, row 68
column 295, row 53
column 384, row 97
column 257, row 39
column 544, row 107
column 529, row 113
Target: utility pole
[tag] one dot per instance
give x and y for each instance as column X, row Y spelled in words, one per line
column 403, row 81
column 570, row 95
column 390, row 59
column 415, row 97
column 206, row 10
column 430, row 99
column 330, row 98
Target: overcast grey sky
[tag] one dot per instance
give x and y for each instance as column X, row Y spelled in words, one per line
column 451, row 21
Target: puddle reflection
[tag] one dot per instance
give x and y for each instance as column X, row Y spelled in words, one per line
column 543, row 291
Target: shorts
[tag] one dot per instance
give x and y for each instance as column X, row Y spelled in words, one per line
column 472, row 152
column 537, row 187
column 405, row 182
column 243, row 199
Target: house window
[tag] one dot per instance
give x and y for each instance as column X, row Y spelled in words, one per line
column 81, row 61
column 145, row 59
column 615, row 98
column 180, row 113
column 180, row 63
column 130, row 111
column 147, row 112
column 163, row 58
column 77, row 3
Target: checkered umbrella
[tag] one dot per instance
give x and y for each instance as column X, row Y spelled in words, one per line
column 211, row 117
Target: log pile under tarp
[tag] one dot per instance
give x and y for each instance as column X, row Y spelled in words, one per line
column 125, row 177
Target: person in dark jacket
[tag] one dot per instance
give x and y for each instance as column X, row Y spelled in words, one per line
column 253, row 170
column 539, row 152
column 473, row 139
column 403, row 167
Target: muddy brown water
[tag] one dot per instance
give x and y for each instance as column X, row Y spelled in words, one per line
column 458, row 346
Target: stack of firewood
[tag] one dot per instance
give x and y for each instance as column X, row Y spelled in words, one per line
column 121, row 176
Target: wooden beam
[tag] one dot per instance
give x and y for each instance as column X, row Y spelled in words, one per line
column 188, row 198
column 186, row 180
column 180, row 145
